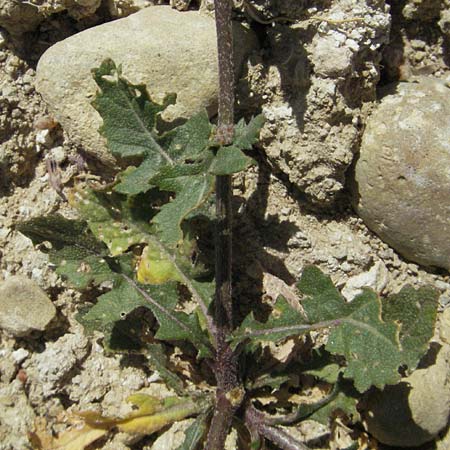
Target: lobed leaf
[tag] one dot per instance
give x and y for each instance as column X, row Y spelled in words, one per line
column 283, row 322
column 191, row 188
column 160, row 299
column 79, row 257
column 229, row 160
column 416, row 310
column 129, row 116
column 370, row 346
column 246, row 135
column 111, row 218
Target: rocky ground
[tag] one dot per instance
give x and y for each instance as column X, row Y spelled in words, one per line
column 340, row 137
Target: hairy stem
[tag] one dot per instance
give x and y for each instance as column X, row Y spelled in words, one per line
column 223, row 303
column 229, row 394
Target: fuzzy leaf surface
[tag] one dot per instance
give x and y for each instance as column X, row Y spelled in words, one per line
column 416, row 311
column 246, row 135
column 113, row 219
column 370, row 346
column 118, row 221
column 192, row 187
column 182, row 161
column 128, row 295
column 284, row 321
column 76, row 240
column 129, row 116
column 79, row 257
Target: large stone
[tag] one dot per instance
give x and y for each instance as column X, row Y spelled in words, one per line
column 417, row 409
column 402, row 176
column 167, row 50
column 24, row 306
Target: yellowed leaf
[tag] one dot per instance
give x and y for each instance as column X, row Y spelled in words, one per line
column 151, row 415
column 77, row 439
column 154, row 268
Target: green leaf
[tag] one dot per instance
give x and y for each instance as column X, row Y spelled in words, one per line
column 113, row 219
column 72, row 247
column 159, row 362
column 370, row 346
column 129, row 125
column 230, row 160
column 192, row 188
column 79, row 257
column 195, row 433
column 161, row 300
column 173, row 325
column 283, row 322
column 245, row 135
column 186, row 145
column 117, row 221
column 416, row 310
column 329, row 372
column 129, row 116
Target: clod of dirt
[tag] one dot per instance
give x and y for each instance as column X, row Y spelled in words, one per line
column 402, row 183
column 51, row 369
column 157, row 34
column 422, row 9
column 18, row 17
column 444, row 23
column 16, row 416
column 316, row 86
column 417, row 409
column 24, row 307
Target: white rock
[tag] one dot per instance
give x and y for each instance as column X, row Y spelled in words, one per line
column 173, row 437
column 167, row 50
column 376, row 278
column 444, row 326
column 328, row 58
column 48, row 370
column 43, row 137
column 19, row 355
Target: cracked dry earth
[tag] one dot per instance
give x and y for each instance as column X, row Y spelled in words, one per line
column 317, row 78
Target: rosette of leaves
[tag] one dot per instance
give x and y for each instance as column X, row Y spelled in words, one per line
column 135, row 242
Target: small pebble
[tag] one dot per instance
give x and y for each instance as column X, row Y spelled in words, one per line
column 19, row 355
column 442, row 285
